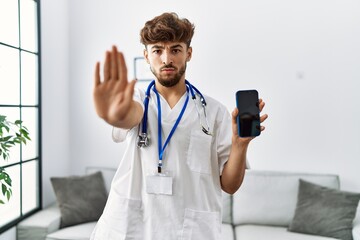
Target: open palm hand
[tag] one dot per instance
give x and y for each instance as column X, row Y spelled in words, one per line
column 113, row 94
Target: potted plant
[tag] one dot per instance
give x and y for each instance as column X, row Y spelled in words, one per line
column 11, row 134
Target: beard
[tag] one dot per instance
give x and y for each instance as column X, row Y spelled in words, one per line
column 169, row 81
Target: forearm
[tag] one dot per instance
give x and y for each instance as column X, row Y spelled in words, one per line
column 234, row 170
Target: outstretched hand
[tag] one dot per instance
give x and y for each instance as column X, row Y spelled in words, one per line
column 113, row 95
column 246, row 140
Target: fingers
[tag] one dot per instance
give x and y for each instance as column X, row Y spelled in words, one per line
column 261, row 104
column 263, row 118
column 114, row 63
column 97, row 74
column 107, row 66
column 115, row 66
column 234, row 114
column 122, row 70
column 129, row 91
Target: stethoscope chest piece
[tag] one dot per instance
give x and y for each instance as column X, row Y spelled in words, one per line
column 143, row 140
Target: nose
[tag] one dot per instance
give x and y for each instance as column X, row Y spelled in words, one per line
column 166, row 58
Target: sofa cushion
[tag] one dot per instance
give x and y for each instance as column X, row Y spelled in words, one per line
column 80, row 198
column 269, row 198
column 78, row 232
column 39, row 224
column 324, row 211
column 256, row 232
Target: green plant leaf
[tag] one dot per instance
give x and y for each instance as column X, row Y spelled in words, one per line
column 5, row 149
column 8, row 195
column 5, row 139
column 12, row 143
column 8, row 180
column 14, row 134
column 23, row 131
column 3, row 174
column 3, row 188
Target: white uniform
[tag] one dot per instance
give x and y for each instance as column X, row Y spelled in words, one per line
column 193, row 159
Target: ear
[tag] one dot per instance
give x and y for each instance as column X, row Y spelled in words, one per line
column 146, row 55
column 189, row 54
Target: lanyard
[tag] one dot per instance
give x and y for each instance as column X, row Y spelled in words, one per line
column 160, row 147
column 144, row 141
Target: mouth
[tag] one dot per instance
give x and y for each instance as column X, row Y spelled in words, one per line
column 168, row 69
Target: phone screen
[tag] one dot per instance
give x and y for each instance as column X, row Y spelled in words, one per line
column 248, row 119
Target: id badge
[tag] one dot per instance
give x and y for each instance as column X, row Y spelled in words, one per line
column 159, row 184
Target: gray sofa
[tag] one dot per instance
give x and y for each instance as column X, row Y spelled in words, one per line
column 265, row 204
column 263, row 208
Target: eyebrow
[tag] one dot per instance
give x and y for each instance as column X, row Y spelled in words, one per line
column 176, row 46
column 162, row 47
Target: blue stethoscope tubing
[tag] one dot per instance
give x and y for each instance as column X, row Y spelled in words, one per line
column 143, row 140
column 147, row 98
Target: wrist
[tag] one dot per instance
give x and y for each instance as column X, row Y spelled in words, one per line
column 239, row 142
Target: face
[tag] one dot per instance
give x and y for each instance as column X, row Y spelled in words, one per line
column 168, row 61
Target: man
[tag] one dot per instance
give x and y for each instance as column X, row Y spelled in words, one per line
column 169, row 188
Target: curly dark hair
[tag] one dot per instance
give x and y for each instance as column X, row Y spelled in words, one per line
column 167, row 27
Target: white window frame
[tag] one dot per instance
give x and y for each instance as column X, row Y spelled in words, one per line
column 21, row 107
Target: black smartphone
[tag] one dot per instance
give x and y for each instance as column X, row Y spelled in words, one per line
column 248, row 119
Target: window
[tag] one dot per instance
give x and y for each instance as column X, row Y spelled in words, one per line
column 20, row 99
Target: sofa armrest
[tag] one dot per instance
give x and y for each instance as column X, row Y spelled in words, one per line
column 37, row 226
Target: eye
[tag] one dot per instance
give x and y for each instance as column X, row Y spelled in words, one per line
column 176, row 50
column 156, row 51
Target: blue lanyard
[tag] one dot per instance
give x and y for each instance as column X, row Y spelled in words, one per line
column 160, row 147
column 146, row 102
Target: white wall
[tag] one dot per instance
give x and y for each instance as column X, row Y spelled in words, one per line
column 302, row 56
column 55, row 93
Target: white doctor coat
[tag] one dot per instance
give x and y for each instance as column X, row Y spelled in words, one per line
column 193, row 159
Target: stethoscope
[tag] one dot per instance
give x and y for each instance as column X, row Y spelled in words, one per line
column 143, row 139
